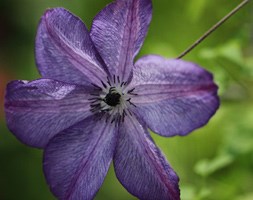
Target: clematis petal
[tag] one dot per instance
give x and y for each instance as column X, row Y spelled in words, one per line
column 37, row 110
column 64, row 50
column 141, row 167
column 76, row 161
column 118, row 32
column 174, row 96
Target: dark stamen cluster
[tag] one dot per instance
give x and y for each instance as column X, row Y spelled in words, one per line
column 112, row 98
column 107, row 97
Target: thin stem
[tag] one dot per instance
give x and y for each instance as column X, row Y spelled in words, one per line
column 213, row 28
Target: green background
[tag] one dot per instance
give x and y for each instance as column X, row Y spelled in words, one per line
column 214, row 162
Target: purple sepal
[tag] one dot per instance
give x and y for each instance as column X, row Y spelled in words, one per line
column 37, row 110
column 174, row 96
column 118, row 32
column 76, row 161
column 141, row 167
column 64, row 50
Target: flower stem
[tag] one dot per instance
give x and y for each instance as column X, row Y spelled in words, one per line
column 213, row 28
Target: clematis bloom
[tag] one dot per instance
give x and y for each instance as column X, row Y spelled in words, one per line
column 94, row 105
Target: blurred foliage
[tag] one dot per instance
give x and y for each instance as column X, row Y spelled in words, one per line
column 213, row 163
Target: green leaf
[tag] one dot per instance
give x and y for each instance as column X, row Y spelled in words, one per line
column 206, row 167
column 248, row 196
column 196, row 8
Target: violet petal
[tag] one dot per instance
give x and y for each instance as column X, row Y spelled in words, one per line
column 141, row 167
column 37, row 110
column 174, row 96
column 118, row 32
column 64, row 50
column 76, row 161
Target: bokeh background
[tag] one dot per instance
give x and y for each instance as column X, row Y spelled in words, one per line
column 214, row 162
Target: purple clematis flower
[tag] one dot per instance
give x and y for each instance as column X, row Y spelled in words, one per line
column 93, row 104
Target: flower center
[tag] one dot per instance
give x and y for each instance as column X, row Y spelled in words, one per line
column 112, row 98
